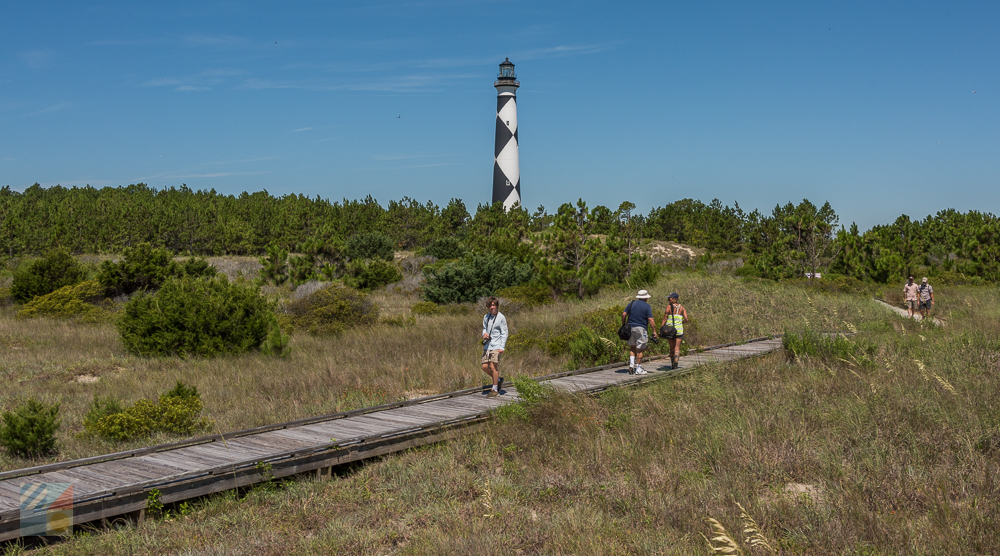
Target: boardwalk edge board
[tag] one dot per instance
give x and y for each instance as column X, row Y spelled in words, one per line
column 191, row 481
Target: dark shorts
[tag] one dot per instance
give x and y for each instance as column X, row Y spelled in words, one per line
column 926, row 304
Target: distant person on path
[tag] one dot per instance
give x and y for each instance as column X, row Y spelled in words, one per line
column 911, row 293
column 494, row 342
column 926, row 298
column 675, row 315
column 639, row 315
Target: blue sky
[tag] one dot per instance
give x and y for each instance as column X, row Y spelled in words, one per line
column 882, row 108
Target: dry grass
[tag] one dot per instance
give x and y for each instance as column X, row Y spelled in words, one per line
column 816, row 455
column 44, row 357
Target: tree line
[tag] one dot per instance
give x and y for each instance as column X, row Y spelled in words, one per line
column 575, row 249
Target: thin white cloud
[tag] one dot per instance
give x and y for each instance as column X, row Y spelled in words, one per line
column 192, row 88
column 6, row 159
column 212, row 175
column 215, row 40
column 122, row 42
column 301, row 129
column 429, row 165
column 562, row 50
column 37, row 59
column 162, row 82
column 383, row 157
column 51, row 109
column 238, row 161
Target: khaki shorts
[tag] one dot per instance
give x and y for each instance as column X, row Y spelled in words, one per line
column 639, row 338
column 913, row 304
column 492, row 356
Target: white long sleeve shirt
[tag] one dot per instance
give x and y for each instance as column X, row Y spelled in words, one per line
column 497, row 329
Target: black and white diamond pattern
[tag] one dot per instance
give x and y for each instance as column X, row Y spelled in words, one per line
column 506, row 165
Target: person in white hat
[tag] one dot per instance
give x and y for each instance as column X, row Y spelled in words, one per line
column 926, row 292
column 638, row 314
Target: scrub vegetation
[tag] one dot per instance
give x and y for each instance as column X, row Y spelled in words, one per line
column 882, row 438
column 879, row 442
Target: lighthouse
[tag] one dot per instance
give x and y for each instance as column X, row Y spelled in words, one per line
column 506, row 166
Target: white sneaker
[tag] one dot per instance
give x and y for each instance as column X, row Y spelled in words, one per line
column 639, row 370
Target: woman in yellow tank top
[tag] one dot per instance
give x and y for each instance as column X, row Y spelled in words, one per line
column 675, row 315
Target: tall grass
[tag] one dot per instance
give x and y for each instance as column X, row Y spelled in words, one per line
column 822, row 453
column 46, row 358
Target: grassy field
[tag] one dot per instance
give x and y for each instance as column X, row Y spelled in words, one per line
column 885, row 443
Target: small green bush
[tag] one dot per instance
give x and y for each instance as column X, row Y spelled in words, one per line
column 528, row 296
column 590, row 339
column 644, row 274
column 478, row 276
column 274, row 265
column 831, row 348
column 30, row 430
column 101, row 408
column 426, row 308
column 371, row 274
column 46, row 275
column 276, row 343
column 145, row 267
column 177, row 412
column 444, row 248
column 179, row 415
column 332, row 310
column 67, row 301
column 197, row 316
column 399, row 320
column 370, row 246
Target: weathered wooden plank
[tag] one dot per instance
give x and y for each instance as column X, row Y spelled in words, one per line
column 271, row 444
column 171, row 459
column 313, row 438
column 142, row 467
column 99, row 480
column 436, row 413
column 79, row 486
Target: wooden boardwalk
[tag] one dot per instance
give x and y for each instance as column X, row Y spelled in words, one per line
column 119, row 484
column 905, row 313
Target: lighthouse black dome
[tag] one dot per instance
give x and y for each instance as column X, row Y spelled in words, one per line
column 506, row 71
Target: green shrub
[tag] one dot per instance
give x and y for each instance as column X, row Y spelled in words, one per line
column 587, row 349
column 644, row 274
column 478, row 276
column 531, row 393
column 197, row 316
column 177, row 412
column 5, row 297
column 399, row 320
column 426, row 308
column 181, row 390
column 528, row 296
column 829, row 347
column 276, row 343
column 274, row 265
column 145, row 267
column 371, row 274
column 332, row 310
column 46, row 275
column 30, row 430
column 370, row 246
column 179, row 415
column 67, row 301
column 101, row 408
column 590, row 339
column 444, row 248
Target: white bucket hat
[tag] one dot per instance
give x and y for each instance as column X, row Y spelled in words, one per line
column 643, row 294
